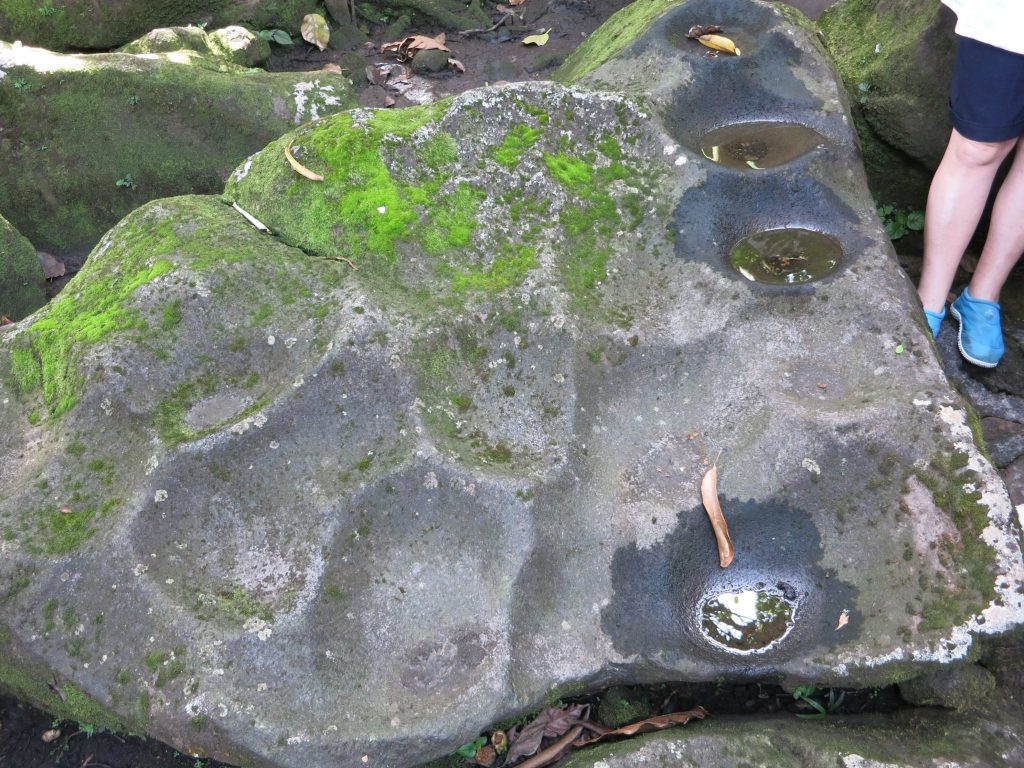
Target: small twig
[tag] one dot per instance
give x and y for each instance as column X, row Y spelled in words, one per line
column 501, row 21
column 552, row 753
column 342, row 258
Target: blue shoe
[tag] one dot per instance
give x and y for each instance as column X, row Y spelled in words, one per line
column 981, row 331
column 935, row 320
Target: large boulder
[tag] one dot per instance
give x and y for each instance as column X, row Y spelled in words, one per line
column 87, row 138
column 83, row 24
column 427, row 454
column 21, row 277
column 896, row 59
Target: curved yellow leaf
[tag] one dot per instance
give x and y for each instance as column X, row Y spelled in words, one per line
column 719, row 43
column 540, row 39
column 299, row 168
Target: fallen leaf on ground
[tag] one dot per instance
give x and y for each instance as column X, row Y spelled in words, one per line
column 658, row 723
column 332, row 67
column 5, row 320
column 515, row 3
column 315, row 30
column 650, row 724
column 553, row 753
column 406, row 48
column 844, row 619
column 709, row 495
column 702, row 29
column 51, row 735
column 457, row 65
column 551, row 722
column 540, row 39
column 719, row 43
column 299, row 168
column 52, row 266
column 822, row 385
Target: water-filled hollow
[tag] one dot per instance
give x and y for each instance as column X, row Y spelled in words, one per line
column 759, row 145
column 786, row 256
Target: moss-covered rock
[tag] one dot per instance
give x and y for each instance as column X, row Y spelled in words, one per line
column 82, row 24
column 433, row 443
column 89, row 138
column 235, row 45
column 21, row 277
column 896, row 60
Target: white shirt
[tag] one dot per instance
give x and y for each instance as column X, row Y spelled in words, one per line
column 996, row 22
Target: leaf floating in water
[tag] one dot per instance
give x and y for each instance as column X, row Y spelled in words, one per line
column 299, row 168
column 719, row 43
column 540, row 39
column 709, row 495
column 315, row 30
column 715, row 154
column 844, row 619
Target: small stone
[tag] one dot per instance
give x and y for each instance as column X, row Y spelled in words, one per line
column 429, row 61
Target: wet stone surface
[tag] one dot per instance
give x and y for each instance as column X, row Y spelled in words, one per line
column 461, row 479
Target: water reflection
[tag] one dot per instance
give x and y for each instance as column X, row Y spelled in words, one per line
column 758, row 146
column 786, row 256
column 748, row 621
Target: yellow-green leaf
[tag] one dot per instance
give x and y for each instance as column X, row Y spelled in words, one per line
column 540, row 39
column 315, row 30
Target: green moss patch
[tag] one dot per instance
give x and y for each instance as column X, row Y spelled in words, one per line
column 616, row 33
column 970, row 560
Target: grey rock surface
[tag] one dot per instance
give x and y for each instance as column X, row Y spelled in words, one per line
column 920, row 740
column 429, row 454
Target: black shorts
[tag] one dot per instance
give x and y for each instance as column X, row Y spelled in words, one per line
column 986, row 101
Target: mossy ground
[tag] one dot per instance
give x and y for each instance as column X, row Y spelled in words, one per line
column 132, row 130
column 61, row 25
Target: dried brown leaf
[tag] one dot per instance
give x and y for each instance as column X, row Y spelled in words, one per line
column 553, row 753
column 332, row 67
column 650, row 724
column 50, row 735
column 299, row 168
column 457, row 65
column 408, row 46
column 709, row 495
column 844, row 619
column 516, row 3
column 550, row 723
column 702, row 29
column 52, row 266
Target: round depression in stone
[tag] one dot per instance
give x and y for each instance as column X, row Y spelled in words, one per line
column 746, row 620
column 787, row 256
column 759, row 145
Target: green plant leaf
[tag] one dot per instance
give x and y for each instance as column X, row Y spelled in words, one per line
column 468, row 750
column 915, row 221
